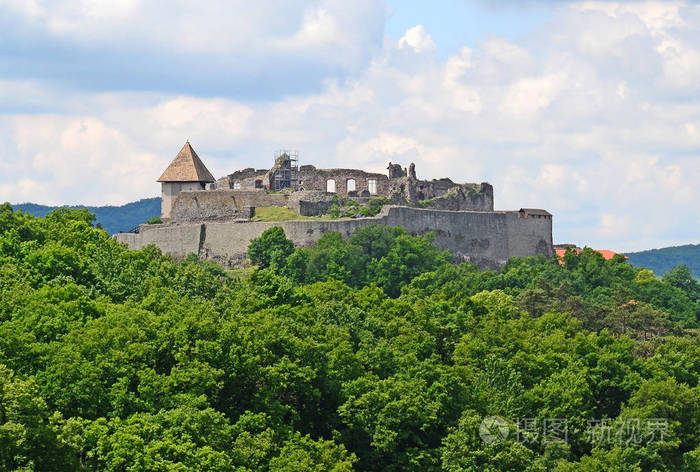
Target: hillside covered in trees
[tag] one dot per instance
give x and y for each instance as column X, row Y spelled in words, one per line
column 114, row 219
column 374, row 353
column 663, row 260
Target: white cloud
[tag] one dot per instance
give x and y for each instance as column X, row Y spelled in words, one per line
column 417, row 39
column 319, row 27
column 458, row 65
column 219, row 122
column 214, row 47
column 81, row 156
column 530, row 95
column 506, row 52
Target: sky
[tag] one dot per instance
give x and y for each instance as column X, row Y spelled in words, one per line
column 590, row 110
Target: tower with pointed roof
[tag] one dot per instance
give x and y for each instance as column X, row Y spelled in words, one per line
column 185, row 172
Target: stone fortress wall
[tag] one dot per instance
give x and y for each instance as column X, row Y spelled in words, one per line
column 486, row 238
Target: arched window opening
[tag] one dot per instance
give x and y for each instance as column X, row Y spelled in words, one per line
column 372, row 186
column 330, row 186
column 351, row 185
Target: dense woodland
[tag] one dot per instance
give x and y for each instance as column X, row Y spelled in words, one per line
column 373, row 353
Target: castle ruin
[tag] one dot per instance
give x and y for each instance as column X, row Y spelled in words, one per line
column 215, row 219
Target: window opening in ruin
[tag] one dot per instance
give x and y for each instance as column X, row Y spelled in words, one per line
column 236, row 185
column 372, row 186
column 351, row 185
column 258, row 184
column 330, row 186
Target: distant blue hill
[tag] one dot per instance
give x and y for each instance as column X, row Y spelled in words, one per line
column 664, row 259
column 114, row 219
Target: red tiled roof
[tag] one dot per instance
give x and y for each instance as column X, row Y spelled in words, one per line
column 606, row 253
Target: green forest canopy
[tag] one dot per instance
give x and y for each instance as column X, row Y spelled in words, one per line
column 372, row 353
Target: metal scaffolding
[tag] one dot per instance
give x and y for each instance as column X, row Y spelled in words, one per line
column 287, row 170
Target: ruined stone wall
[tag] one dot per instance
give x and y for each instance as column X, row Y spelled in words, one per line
column 441, row 194
column 426, row 189
column 465, row 197
column 395, row 171
column 245, row 180
column 312, row 178
column 310, row 202
column 193, row 207
column 486, row 238
column 222, row 204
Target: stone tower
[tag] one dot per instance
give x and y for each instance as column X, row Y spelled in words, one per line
column 186, row 172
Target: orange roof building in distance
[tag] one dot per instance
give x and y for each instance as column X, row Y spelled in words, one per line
column 560, row 250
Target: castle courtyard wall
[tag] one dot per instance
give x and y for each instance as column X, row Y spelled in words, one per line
column 222, row 204
column 486, row 238
column 212, row 205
